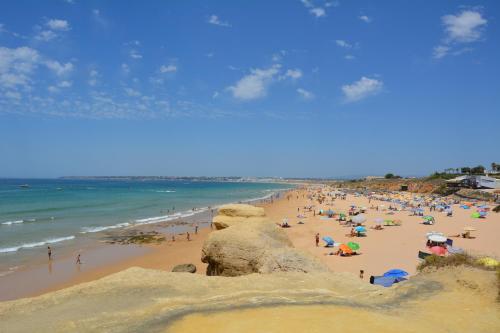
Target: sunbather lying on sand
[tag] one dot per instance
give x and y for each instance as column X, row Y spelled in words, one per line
column 463, row 235
column 353, row 233
column 377, row 227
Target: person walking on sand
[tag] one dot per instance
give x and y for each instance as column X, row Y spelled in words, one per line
column 196, row 229
column 188, row 236
column 78, row 260
column 49, row 252
column 361, row 273
column 317, row 239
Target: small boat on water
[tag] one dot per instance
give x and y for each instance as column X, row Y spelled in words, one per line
column 24, row 186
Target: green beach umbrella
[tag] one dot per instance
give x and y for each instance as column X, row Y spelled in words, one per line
column 475, row 215
column 353, row 246
column 428, row 218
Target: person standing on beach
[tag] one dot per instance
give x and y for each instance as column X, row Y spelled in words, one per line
column 49, row 252
column 188, row 236
column 317, row 239
column 78, row 261
column 196, row 229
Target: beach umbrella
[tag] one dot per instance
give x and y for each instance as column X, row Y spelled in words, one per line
column 345, row 248
column 330, row 212
column 396, row 273
column 440, row 251
column 379, row 220
column 360, row 218
column 428, row 218
column 437, row 238
column 353, row 246
column 360, row 229
column 328, row 240
column 475, row 215
column 433, row 233
column 482, row 214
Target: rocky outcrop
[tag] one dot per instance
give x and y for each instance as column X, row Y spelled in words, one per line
column 254, row 244
column 185, row 268
column 143, row 300
column 233, row 214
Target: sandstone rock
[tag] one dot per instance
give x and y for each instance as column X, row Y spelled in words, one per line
column 233, row 214
column 223, row 221
column 256, row 247
column 242, row 210
column 185, row 268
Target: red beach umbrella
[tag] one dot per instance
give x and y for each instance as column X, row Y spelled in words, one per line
column 440, row 251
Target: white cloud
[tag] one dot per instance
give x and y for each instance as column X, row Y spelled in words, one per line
column 440, row 51
column 168, row 69
column 45, row 35
column 93, row 77
column 125, row 68
column 317, row 11
column 131, row 92
column 215, row 94
column 343, row 43
column 294, row 73
column 58, row 68
column 465, row 27
column 134, row 54
column 65, row 84
column 349, row 57
column 53, row 89
column 255, row 84
column 60, row 25
column 13, row 95
column 214, row 19
column 361, row 89
column 365, row 18
column 305, row 94
column 17, row 66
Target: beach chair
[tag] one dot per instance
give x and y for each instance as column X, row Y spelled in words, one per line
column 423, row 255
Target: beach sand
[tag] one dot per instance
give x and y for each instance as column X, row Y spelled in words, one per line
column 381, row 250
column 393, row 247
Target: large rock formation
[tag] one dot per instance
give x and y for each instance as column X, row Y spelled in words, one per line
column 232, row 214
column 184, row 268
column 142, row 300
column 253, row 244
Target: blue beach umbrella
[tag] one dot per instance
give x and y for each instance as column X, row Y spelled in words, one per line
column 328, row 240
column 360, row 229
column 396, row 273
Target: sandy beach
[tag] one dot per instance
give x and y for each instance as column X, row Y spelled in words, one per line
column 381, row 250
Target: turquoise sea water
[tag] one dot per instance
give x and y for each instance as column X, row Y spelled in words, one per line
column 62, row 211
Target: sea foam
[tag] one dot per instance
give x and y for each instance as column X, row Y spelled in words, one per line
column 35, row 244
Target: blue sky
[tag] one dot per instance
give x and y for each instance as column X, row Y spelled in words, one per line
column 253, row 88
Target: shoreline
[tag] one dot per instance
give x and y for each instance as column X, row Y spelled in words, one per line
column 378, row 250
column 100, row 259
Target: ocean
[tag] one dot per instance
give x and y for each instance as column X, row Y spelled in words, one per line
column 61, row 211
